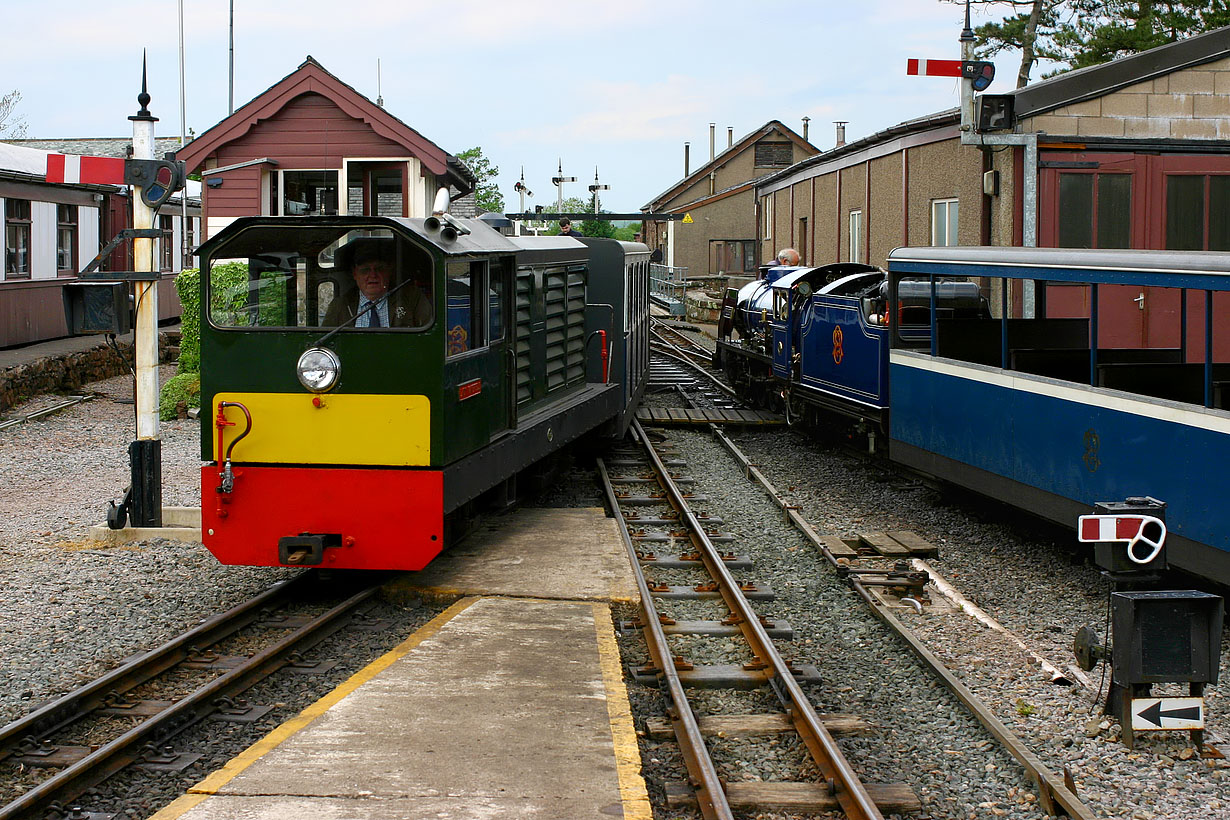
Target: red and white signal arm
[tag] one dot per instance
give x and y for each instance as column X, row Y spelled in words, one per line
column 70, row 168
column 933, row 68
column 1131, row 529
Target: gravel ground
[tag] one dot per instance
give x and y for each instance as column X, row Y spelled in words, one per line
column 1024, row 574
column 74, row 609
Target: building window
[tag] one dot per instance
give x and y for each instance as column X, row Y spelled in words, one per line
column 1095, row 210
column 856, row 236
column 309, row 193
column 1196, row 212
column 66, row 239
column 17, row 238
column 732, row 256
column 774, row 154
column 943, row 222
column 190, row 237
column 166, row 242
column 767, row 231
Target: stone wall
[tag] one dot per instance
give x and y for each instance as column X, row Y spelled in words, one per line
column 1193, row 103
column 69, row 372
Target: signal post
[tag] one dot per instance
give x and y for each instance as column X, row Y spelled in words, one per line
column 145, row 454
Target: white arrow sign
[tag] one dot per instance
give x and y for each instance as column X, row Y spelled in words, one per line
column 1155, row 714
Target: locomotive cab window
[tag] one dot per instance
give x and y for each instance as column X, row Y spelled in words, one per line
column 469, row 295
column 277, row 277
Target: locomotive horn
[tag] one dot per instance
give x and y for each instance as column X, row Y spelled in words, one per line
column 441, row 204
column 439, row 209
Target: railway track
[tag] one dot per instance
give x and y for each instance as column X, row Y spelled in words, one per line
column 130, row 716
column 838, row 786
column 888, row 572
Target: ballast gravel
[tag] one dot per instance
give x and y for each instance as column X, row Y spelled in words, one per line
column 1027, row 575
column 73, row 608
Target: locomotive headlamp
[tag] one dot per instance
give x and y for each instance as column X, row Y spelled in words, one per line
column 318, row 369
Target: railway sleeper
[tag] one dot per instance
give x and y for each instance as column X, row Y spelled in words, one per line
column 689, row 562
column 676, row 592
column 730, row 726
column 721, row 676
column 789, row 796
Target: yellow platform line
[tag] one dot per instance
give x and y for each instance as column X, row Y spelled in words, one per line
column 632, row 789
column 210, row 785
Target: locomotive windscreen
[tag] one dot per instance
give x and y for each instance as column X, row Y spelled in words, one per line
column 273, row 276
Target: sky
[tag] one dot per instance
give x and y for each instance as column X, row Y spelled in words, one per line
column 616, row 87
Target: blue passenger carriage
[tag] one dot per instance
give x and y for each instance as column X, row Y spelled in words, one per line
column 1057, row 403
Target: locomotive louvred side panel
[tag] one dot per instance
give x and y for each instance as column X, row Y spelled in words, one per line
column 525, row 295
column 564, row 313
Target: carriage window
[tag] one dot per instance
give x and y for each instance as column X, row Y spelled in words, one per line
column 362, row 280
column 467, row 306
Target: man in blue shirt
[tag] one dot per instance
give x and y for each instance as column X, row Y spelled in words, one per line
column 372, row 264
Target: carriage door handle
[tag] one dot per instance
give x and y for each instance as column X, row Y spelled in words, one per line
column 1140, row 300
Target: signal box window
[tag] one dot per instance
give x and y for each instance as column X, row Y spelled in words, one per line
column 66, row 239
column 17, row 238
column 466, row 307
column 944, row 222
column 309, row 193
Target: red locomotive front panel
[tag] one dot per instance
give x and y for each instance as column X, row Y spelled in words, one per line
column 339, row 518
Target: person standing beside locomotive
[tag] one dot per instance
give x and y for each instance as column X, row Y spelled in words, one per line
column 372, row 263
column 565, row 228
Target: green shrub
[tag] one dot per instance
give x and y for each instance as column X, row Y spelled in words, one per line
column 186, row 388
column 188, row 286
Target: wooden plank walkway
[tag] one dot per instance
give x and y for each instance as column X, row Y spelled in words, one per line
column 661, row 416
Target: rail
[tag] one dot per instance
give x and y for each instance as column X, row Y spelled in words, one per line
column 106, row 759
column 844, row 785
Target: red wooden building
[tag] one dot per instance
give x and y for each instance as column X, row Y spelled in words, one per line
column 311, row 144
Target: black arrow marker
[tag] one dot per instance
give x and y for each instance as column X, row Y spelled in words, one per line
column 1154, row 714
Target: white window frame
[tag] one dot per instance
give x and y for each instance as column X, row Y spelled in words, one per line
column 282, row 186
column 945, row 222
column 856, row 235
column 768, row 218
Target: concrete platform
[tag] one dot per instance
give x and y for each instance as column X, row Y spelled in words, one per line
column 507, row 705
column 559, row 553
column 178, row 524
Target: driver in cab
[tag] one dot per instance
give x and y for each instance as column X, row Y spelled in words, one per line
column 372, row 263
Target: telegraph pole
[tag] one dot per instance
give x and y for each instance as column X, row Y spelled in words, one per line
column 145, row 454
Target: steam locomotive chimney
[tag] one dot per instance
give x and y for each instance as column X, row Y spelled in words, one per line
column 712, row 134
column 687, row 153
column 730, row 136
column 806, row 120
column 841, row 133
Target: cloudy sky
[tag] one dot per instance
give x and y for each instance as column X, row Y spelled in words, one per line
column 619, row 86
